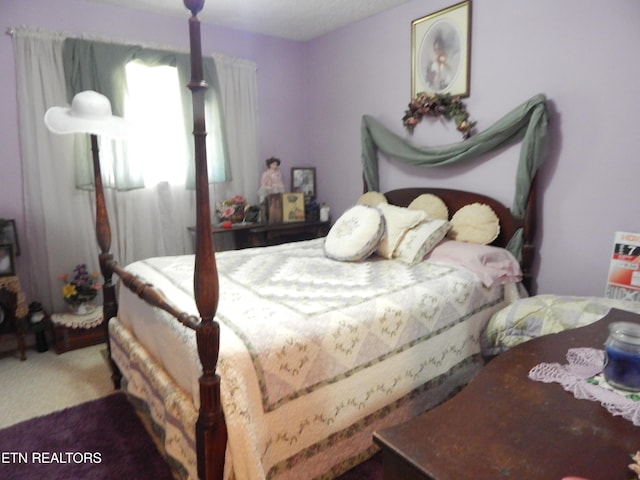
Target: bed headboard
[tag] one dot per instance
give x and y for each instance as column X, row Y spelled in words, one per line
column 509, row 224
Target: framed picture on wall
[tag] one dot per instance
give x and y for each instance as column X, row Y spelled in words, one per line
column 8, row 234
column 7, row 262
column 440, row 52
column 293, row 207
column 304, row 180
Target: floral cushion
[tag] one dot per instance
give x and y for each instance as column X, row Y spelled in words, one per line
column 355, row 235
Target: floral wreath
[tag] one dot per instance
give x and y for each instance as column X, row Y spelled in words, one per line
column 438, row 105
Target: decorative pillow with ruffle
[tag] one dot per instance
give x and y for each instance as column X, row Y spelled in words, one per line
column 475, row 223
column 355, row 235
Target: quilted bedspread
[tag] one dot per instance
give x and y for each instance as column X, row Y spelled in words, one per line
column 316, row 353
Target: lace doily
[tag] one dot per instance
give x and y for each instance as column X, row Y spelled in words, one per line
column 70, row 320
column 583, row 377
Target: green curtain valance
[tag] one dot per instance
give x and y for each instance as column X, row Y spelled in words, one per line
column 528, row 122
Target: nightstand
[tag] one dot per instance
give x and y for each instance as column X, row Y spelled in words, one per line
column 72, row 331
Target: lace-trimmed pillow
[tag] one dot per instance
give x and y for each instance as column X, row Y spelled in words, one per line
column 373, row 199
column 420, row 240
column 475, row 223
column 433, row 205
column 355, row 235
column 398, row 220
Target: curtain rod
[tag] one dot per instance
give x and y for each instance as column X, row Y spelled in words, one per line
column 12, row 30
column 84, row 36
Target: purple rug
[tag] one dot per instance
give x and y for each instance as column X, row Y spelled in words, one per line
column 101, row 439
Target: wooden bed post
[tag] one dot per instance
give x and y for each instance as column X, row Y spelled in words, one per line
column 528, row 246
column 103, row 235
column 211, row 432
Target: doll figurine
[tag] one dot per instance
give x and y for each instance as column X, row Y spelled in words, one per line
column 271, row 181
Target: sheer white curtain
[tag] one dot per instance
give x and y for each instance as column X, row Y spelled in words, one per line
column 59, row 218
column 145, row 222
column 239, row 93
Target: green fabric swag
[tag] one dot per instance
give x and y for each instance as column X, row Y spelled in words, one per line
column 100, row 66
column 528, row 123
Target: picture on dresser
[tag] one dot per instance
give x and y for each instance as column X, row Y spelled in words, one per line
column 8, row 234
column 304, row 180
column 293, row 207
column 7, row 264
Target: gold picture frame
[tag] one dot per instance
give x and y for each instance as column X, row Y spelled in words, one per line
column 293, row 207
column 440, row 52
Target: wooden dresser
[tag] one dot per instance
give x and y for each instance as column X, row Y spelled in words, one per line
column 505, row 426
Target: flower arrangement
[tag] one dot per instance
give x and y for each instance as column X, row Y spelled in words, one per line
column 232, row 209
column 81, row 288
column 438, row 106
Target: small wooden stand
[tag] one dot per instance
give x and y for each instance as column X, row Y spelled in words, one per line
column 71, row 331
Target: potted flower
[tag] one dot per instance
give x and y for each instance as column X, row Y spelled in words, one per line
column 232, row 209
column 80, row 290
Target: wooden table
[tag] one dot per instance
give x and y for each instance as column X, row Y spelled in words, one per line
column 504, row 425
column 73, row 331
column 263, row 234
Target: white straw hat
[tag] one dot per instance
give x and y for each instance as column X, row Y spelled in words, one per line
column 90, row 112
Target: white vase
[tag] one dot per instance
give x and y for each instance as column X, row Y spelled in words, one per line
column 83, row 308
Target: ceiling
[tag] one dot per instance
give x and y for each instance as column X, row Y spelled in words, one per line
column 292, row 19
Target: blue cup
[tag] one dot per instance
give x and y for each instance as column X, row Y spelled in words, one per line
column 622, row 356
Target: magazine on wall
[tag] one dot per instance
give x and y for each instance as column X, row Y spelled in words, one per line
column 623, row 282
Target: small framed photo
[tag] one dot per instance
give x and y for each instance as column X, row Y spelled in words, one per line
column 440, row 52
column 7, row 262
column 9, row 234
column 293, row 207
column 304, row 180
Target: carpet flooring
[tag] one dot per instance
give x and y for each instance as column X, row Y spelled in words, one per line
column 98, row 440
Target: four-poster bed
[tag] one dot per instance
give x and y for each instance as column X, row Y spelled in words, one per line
column 307, row 355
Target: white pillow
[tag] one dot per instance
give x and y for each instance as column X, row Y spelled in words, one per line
column 475, row 223
column 355, row 235
column 398, row 221
column 420, row 240
column 433, row 205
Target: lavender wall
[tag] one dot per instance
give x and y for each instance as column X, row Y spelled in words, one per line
column 580, row 53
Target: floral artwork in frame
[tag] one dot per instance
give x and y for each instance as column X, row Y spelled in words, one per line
column 440, row 52
column 293, row 207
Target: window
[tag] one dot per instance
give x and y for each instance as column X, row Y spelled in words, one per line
column 159, row 143
column 158, row 138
